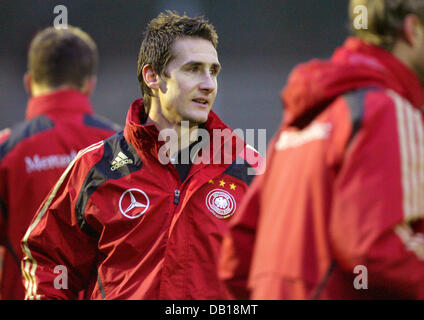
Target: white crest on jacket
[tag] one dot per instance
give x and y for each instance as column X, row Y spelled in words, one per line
column 221, row 203
column 292, row 139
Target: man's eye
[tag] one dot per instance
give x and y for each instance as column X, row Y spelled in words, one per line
column 214, row 72
column 194, row 68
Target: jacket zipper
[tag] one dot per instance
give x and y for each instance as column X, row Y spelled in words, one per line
column 176, row 196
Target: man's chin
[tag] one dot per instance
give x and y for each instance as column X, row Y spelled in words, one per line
column 197, row 120
column 196, row 123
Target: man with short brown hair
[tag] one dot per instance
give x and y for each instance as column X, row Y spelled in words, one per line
column 132, row 225
column 62, row 66
column 58, row 58
column 156, row 47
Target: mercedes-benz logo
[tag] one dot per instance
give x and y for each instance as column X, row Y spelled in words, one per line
column 132, row 199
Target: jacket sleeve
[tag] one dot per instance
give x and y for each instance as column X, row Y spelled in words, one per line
column 378, row 206
column 58, row 255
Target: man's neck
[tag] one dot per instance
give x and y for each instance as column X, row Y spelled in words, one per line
column 39, row 90
column 183, row 133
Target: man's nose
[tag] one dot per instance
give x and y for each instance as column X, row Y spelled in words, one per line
column 208, row 83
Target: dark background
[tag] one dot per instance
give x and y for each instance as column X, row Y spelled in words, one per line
column 259, row 43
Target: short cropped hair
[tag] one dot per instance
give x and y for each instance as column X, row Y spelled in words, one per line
column 159, row 37
column 385, row 19
column 60, row 57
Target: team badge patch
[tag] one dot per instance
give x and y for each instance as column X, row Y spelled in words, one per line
column 221, row 203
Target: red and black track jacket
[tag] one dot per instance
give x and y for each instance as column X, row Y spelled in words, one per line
column 124, row 225
column 339, row 212
column 33, row 155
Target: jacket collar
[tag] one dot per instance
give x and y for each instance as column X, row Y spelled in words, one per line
column 145, row 138
column 60, row 101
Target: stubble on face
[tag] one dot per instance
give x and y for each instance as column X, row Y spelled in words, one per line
column 188, row 90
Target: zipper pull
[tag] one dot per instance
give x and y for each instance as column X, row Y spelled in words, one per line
column 176, row 196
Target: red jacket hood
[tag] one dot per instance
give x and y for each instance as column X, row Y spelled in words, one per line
column 354, row 65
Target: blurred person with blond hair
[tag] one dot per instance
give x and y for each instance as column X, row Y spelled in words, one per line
column 339, row 214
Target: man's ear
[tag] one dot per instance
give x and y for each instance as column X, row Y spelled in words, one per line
column 27, row 81
column 150, row 77
column 412, row 30
column 89, row 86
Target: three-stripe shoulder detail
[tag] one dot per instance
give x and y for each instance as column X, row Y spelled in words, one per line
column 119, row 159
column 410, row 130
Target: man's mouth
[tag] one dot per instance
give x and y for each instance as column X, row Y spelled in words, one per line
column 201, row 101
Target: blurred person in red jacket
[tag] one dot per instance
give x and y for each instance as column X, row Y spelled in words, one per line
column 339, row 212
column 59, row 121
column 138, row 216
